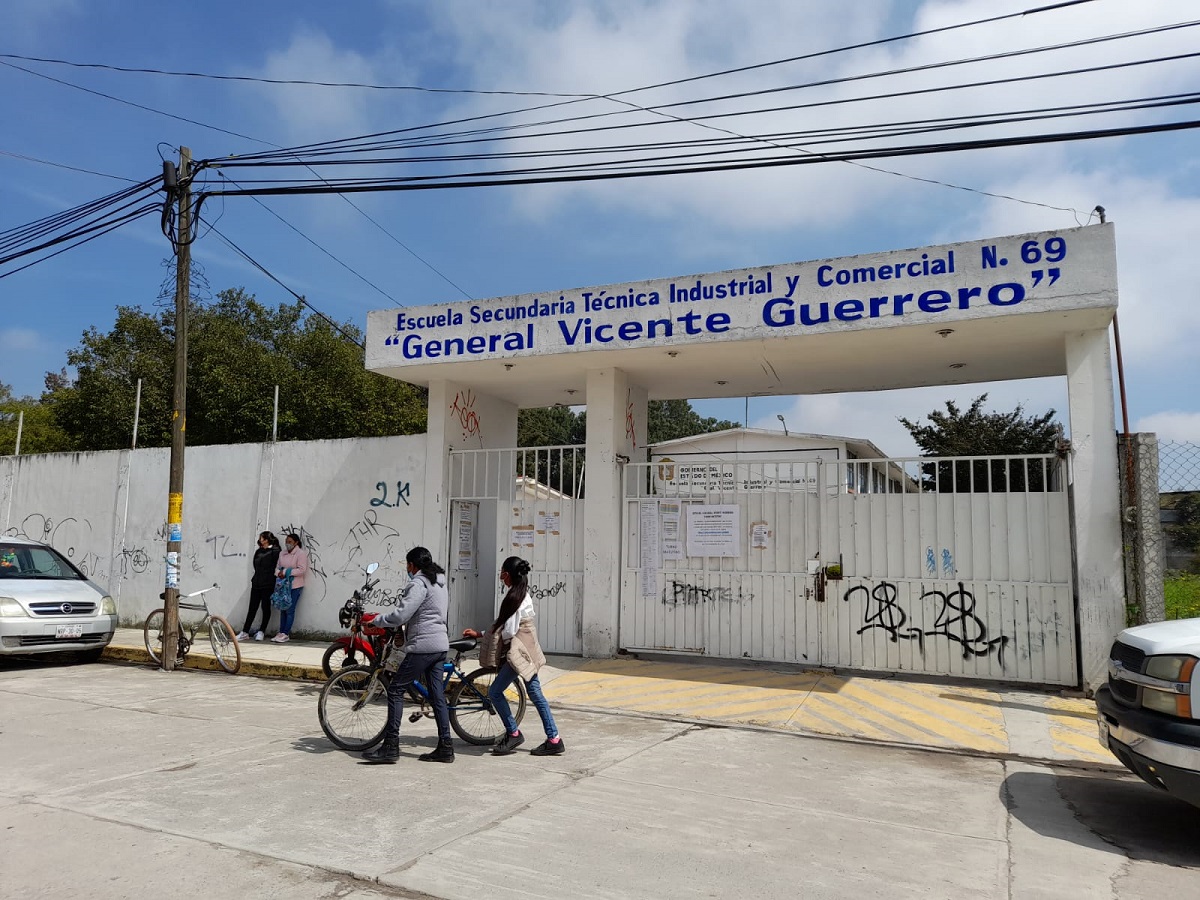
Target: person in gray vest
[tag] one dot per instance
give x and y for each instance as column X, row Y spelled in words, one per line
column 424, row 605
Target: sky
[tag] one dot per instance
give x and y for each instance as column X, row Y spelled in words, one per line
column 432, row 247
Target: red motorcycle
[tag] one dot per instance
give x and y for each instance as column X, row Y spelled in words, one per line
column 364, row 644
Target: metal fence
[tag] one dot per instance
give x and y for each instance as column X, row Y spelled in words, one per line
column 1178, row 485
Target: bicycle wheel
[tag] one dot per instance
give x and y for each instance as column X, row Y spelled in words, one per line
column 472, row 715
column 224, row 644
column 152, row 631
column 338, row 657
column 353, row 708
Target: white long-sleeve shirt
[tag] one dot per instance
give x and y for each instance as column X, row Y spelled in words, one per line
column 513, row 624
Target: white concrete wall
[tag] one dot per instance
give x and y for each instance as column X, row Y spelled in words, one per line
column 353, row 501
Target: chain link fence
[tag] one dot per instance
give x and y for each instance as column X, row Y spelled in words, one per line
column 1179, row 512
column 1160, row 503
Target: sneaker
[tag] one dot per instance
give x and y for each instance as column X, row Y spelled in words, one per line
column 548, row 748
column 508, row 744
column 258, row 635
column 280, row 638
column 243, row 636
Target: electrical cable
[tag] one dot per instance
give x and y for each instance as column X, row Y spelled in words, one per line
column 346, row 199
column 494, row 179
column 299, row 297
column 341, row 145
column 341, row 263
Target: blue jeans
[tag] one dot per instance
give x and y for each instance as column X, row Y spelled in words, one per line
column 506, row 676
column 288, row 616
column 426, row 668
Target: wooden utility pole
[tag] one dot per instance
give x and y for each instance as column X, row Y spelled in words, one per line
column 183, row 277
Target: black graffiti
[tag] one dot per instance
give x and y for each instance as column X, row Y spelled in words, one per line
column 402, row 491
column 956, row 619
column 682, row 593
column 965, row 628
column 367, row 532
column 223, row 541
column 884, row 612
column 133, row 559
column 538, row 593
column 382, row 596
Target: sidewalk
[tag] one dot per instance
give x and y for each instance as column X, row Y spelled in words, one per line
column 999, row 722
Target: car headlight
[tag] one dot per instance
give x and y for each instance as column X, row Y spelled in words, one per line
column 1175, row 670
column 108, row 606
column 10, row 607
column 1171, row 668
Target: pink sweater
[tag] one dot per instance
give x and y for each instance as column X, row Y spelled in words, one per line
column 297, row 561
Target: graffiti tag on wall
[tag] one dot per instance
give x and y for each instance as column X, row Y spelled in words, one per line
column 677, row 593
column 956, row 619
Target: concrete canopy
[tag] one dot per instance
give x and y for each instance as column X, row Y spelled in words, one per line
column 970, row 312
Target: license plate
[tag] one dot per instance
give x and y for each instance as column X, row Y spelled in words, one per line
column 68, row 631
column 1102, row 726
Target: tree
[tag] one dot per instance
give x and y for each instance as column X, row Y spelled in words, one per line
column 238, row 351
column 667, row 420
column 1185, row 532
column 974, row 432
column 559, row 425
column 39, row 433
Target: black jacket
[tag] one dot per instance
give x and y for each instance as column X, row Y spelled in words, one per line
column 264, row 567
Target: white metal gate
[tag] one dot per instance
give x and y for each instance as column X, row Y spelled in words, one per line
column 937, row 566
column 524, row 502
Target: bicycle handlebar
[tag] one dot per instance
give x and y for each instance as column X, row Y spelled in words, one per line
column 197, row 593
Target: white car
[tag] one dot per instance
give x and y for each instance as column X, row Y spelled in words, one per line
column 1149, row 712
column 48, row 606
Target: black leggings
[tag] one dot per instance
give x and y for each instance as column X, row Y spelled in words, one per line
column 259, row 596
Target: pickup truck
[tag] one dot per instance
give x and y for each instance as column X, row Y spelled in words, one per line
column 1149, row 711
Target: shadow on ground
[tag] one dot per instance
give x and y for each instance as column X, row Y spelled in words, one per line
column 1131, row 817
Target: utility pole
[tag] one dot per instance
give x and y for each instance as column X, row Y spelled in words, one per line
column 183, row 276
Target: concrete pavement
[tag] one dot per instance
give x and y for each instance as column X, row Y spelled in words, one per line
column 120, row 781
column 1002, row 722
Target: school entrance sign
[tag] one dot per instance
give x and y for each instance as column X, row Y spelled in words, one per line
column 1000, row 308
column 858, row 323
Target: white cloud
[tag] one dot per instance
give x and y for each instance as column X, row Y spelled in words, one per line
column 1172, row 425
column 605, row 46
column 310, row 113
column 20, row 340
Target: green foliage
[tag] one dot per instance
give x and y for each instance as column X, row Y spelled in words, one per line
column 238, row 351
column 39, row 432
column 550, row 426
column 1182, row 595
column 560, row 426
column 973, row 432
column 667, row 420
column 978, row 433
column 1185, row 533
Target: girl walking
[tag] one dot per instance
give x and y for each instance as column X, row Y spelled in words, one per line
column 522, row 658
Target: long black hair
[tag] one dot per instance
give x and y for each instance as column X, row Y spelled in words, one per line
column 518, row 580
column 422, row 560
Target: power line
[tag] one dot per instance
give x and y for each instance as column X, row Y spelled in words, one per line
column 497, row 178
column 300, row 298
column 46, row 162
column 160, row 112
column 340, row 262
column 290, row 81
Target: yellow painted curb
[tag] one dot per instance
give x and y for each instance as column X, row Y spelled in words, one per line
column 201, row 661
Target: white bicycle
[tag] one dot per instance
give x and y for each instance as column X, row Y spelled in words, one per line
column 222, row 637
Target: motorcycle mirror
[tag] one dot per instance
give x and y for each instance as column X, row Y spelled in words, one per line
column 371, row 567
